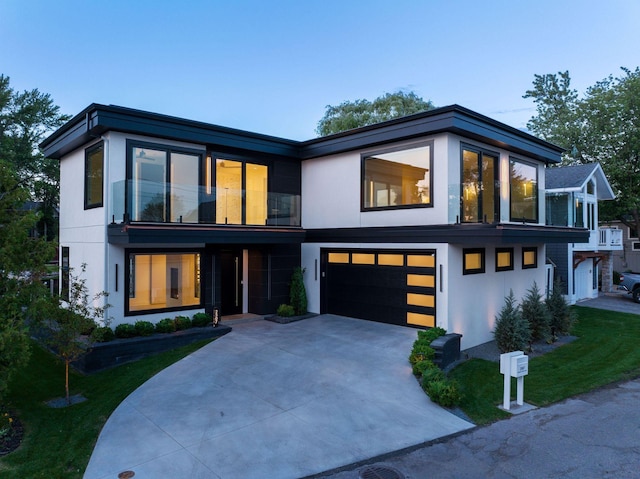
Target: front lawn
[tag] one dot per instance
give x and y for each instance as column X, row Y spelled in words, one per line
column 58, row 443
column 606, row 351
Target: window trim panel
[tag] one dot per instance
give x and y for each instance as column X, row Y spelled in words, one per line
column 412, row 146
column 87, row 152
column 468, row 270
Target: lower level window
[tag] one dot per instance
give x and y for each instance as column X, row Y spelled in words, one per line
column 473, row 261
column 160, row 281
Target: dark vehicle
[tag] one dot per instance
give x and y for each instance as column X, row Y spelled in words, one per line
column 631, row 282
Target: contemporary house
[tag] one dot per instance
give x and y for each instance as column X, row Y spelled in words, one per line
column 572, row 195
column 424, row 220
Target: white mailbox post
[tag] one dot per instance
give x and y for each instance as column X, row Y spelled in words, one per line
column 513, row 365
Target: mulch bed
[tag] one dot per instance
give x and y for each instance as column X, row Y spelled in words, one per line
column 289, row 319
column 11, row 441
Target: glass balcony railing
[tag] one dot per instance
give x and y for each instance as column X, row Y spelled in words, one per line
column 154, row 202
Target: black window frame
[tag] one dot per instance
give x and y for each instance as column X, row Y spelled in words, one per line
column 514, row 219
column 65, row 273
column 87, row 153
column 130, row 280
column 529, row 249
column 168, row 149
column 482, row 152
column 482, row 269
column 363, row 171
column 511, row 258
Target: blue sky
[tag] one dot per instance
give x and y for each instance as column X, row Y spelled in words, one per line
column 273, row 66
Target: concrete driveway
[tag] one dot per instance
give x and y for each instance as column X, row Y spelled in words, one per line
column 277, row 401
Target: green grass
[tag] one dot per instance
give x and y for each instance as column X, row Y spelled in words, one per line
column 58, row 442
column 605, row 352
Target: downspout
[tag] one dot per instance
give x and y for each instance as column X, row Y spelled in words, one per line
column 106, row 195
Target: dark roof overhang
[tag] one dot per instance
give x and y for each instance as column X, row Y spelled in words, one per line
column 463, row 234
column 453, row 119
column 96, row 119
column 143, row 233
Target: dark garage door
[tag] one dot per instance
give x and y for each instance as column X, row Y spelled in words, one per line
column 396, row 287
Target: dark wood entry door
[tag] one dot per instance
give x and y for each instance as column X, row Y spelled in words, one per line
column 231, row 282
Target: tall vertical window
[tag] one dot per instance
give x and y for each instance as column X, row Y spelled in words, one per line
column 165, row 184
column 480, row 195
column 93, row 176
column 398, row 178
column 65, row 273
column 523, row 183
column 241, row 192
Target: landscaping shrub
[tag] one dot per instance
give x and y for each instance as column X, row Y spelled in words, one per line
column 144, row 328
column 200, row 320
column 286, row 311
column 103, row 334
column 420, row 367
column 125, row 330
column 562, row 316
column 535, row 312
column 182, row 323
column 431, row 334
column 166, row 325
column 444, row 392
column 420, row 352
column 512, row 331
column 297, row 293
column 432, row 374
column 616, row 277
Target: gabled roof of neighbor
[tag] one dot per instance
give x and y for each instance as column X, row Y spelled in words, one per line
column 96, row 120
column 567, row 179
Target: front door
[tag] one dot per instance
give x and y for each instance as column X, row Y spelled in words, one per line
column 231, row 282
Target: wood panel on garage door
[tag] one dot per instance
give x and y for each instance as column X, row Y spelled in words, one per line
column 388, row 286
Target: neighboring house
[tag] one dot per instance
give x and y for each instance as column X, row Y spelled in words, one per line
column 627, row 259
column 425, row 220
column 572, row 195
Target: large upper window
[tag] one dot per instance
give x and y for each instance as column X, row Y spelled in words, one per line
column 398, row 178
column 480, row 195
column 164, row 184
column 161, row 281
column 241, row 192
column 93, row 176
column 523, row 182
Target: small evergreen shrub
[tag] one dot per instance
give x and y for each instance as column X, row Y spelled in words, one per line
column 297, row 293
column 421, row 367
column 125, row 330
column 432, row 374
column 420, row 352
column 512, row 331
column 431, row 334
column 200, row 320
column 562, row 316
column 535, row 312
column 286, row 311
column 166, row 325
column 144, row 328
column 444, row 392
column 182, row 323
column 103, row 334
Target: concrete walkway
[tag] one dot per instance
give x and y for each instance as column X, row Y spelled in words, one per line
column 274, row 401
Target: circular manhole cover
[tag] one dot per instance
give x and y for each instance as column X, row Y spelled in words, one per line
column 380, row 472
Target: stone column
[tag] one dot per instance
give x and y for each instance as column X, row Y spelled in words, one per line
column 606, row 267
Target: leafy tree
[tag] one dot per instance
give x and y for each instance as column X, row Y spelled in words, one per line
column 354, row 114
column 25, row 120
column 22, row 266
column 77, row 317
column 512, row 331
column 602, row 125
column 535, row 312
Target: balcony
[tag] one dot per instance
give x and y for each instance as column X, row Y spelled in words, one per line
column 609, row 239
column 147, row 202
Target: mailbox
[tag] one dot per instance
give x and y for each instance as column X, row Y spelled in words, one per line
column 519, row 366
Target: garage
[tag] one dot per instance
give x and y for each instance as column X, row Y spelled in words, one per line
column 388, row 286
